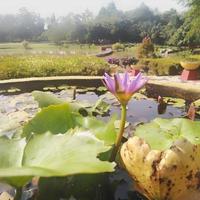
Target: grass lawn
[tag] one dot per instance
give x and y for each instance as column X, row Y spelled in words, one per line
column 47, row 48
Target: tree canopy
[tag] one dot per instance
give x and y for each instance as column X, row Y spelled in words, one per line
column 108, row 26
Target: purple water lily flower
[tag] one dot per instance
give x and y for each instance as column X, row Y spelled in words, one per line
column 123, row 87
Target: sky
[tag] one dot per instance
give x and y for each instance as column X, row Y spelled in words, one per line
column 63, row 7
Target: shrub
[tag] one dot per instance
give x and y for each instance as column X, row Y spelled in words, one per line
column 128, row 61
column 146, row 49
column 26, row 45
column 118, row 46
column 48, row 65
column 114, row 61
column 162, row 66
column 175, row 69
column 125, row 61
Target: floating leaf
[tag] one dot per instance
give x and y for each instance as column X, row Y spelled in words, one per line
column 139, row 96
column 8, row 127
column 64, row 87
column 109, row 96
column 50, row 88
column 101, row 107
column 12, row 90
column 103, row 131
column 161, row 133
column 176, row 102
column 46, row 99
column 101, row 89
column 55, row 118
column 61, row 118
column 167, row 151
column 48, row 155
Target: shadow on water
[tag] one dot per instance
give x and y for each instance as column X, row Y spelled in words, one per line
column 104, row 186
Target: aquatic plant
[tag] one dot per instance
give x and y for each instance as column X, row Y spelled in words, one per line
column 163, row 159
column 55, row 143
column 123, row 89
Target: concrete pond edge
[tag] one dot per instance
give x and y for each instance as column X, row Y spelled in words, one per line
column 163, row 86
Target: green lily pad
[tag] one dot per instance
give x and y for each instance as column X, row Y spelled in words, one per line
column 12, row 90
column 103, row 131
column 48, row 155
column 8, row 127
column 102, row 89
column 82, row 90
column 109, row 96
column 91, row 89
column 55, row 118
column 60, row 118
column 160, row 134
column 176, row 102
column 2, row 91
column 64, row 87
column 101, row 107
column 46, row 99
column 139, row 96
column 49, row 88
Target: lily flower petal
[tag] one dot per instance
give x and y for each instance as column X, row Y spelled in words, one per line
column 109, row 83
column 140, row 84
column 126, row 80
column 134, row 83
column 118, row 83
column 123, row 88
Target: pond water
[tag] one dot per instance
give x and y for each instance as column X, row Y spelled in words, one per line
column 17, row 109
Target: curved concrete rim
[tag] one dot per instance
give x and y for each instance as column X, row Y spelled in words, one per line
column 170, row 86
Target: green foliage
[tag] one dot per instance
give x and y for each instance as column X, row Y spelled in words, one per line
column 161, row 133
column 25, row 44
column 118, row 46
column 163, row 66
column 76, row 142
column 100, row 107
column 193, row 18
column 25, row 25
column 63, row 117
column 176, row 102
column 55, row 118
column 49, row 155
column 35, row 66
column 46, row 99
column 146, row 49
column 109, row 26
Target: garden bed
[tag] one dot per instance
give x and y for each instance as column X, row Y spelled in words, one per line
column 50, row 65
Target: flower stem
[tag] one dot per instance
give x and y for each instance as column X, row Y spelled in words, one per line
column 120, row 134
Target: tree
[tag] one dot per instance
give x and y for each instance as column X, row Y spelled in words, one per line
column 28, row 25
column 146, row 49
column 193, row 18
